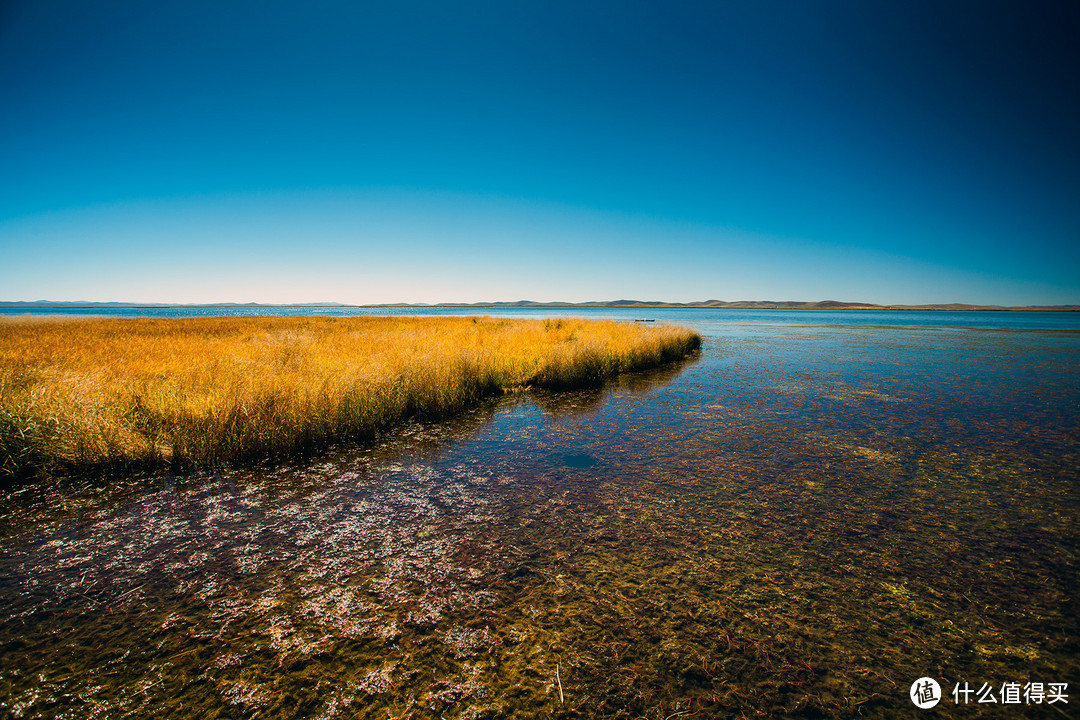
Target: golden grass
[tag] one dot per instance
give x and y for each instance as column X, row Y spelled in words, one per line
column 95, row 394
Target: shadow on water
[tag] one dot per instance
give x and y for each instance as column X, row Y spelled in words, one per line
column 795, row 524
column 561, row 404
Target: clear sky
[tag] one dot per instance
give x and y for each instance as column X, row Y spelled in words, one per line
column 894, row 151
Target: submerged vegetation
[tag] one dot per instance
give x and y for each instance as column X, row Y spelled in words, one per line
column 798, row 523
column 95, row 394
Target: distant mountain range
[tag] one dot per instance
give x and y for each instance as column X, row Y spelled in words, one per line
column 748, row 304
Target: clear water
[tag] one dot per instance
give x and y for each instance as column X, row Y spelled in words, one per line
column 817, row 510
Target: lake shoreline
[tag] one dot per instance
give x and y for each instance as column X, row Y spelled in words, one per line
column 116, row 395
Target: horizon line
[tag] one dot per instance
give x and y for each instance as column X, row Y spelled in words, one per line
column 623, row 303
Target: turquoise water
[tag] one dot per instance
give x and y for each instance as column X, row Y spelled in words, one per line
column 815, row 511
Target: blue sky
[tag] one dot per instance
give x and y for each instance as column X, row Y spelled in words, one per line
column 892, row 152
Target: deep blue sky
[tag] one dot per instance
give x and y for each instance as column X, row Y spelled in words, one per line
column 890, row 151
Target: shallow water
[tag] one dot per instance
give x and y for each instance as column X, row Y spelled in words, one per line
column 801, row 521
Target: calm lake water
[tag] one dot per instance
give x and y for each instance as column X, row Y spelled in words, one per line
column 802, row 520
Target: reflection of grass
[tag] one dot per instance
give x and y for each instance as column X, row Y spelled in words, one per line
column 92, row 393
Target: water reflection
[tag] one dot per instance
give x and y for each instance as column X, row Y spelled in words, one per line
column 801, row 522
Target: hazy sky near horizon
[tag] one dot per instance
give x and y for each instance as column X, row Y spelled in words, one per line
column 897, row 151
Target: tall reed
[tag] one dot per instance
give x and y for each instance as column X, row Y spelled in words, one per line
column 89, row 395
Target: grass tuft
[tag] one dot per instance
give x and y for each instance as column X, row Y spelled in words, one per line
column 89, row 395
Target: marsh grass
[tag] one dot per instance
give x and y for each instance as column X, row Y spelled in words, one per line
column 112, row 394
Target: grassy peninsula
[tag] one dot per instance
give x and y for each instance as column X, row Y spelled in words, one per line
column 87, row 395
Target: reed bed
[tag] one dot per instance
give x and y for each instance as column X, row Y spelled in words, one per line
column 92, row 395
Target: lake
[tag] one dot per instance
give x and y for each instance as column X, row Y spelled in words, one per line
column 802, row 520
